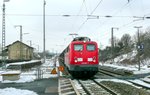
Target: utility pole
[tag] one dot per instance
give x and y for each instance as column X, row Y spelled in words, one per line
column 112, row 42
column 20, row 26
column 21, row 50
column 138, row 45
column 30, row 43
column 44, row 53
column 3, row 34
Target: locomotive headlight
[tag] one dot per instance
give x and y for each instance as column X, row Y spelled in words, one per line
column 79, row 59
column 90, row 59
column 75, row 59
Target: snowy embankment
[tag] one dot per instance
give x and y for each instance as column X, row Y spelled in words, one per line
column 120, row 63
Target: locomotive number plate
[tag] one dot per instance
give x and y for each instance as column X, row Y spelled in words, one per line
column 84, row 63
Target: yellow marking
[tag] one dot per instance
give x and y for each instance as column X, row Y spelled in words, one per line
column 54, row 71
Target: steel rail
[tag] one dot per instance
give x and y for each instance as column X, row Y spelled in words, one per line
column 106, row 88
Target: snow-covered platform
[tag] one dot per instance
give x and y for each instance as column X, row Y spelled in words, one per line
column 23, row 65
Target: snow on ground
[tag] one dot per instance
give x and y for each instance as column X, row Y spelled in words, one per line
column 0, row 78
column 141, row 82
column 23, row 79
column 20, row 63
column 114, row 80
column 27, row 76
column 14, row 91
column 134, row 69
column 130, row 56
column 31, row 75
column 145, row 68
column 118, row 65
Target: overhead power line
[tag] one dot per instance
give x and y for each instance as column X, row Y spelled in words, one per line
column 96, row 7
column 81, row 8
column 83, row 4
column 72, row 15
column 123, row 7
column 82, row 24
column 90, row 14
column 85, row 7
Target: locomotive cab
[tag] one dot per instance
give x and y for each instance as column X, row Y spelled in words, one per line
column 82, row 58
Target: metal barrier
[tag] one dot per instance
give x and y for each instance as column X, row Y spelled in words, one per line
column 39, row 73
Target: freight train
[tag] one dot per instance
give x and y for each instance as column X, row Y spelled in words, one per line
column 81, row 57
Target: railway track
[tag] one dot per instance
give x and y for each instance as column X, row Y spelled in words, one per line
column 92, row 87
column 112, row 74
column 81, row 87
column 97, row 87
column 139, row 82
column 67, row 87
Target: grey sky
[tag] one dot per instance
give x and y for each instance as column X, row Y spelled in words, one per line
column 28, row 13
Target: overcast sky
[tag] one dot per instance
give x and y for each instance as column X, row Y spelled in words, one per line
column 28, row 13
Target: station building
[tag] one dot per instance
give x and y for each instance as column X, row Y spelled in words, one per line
column 19, row 51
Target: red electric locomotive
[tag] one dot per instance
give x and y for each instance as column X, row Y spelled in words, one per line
column 81, row 57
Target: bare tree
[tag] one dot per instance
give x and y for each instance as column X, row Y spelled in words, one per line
column 127, row 43
column 145, row 41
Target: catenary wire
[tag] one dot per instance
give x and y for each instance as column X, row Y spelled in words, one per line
column 90, row 14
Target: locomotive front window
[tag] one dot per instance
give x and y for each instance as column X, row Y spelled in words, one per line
column 90, row 47
column 78, row 47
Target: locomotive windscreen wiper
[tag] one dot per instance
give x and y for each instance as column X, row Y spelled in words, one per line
column 80, row 49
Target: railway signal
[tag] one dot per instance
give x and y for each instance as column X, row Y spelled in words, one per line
column 139, row 46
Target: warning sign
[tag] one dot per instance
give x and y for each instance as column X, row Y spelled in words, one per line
column 54, row 71
column 61, row 68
